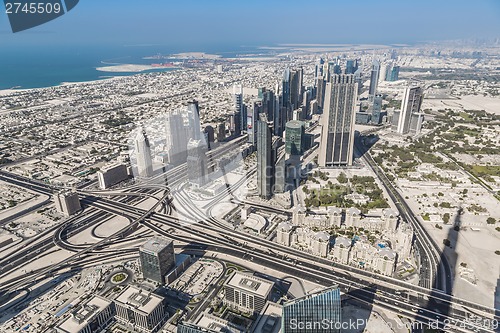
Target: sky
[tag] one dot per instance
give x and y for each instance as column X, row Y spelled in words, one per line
column 195, row 23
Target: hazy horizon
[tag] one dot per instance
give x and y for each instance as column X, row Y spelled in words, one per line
column 195, row 23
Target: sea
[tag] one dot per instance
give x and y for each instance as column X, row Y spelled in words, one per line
column 31, row 67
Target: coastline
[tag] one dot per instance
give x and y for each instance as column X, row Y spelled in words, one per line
column 132, row 68
column 10, row 91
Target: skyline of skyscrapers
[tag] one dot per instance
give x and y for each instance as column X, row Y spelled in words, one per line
column 337, row 135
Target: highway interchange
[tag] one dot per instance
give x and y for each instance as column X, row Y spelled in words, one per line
column 429, row 302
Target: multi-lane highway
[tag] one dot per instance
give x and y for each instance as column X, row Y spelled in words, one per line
column 218, row 236
column 435, row 271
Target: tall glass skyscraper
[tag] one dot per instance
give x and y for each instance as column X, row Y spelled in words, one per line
column 318, row 312
column 374, row 80
column 337, row 134
column 157, row 258
column 240, row 117
column 294, row 141
column 265, row 163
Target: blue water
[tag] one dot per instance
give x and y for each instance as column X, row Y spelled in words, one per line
column 45, row 66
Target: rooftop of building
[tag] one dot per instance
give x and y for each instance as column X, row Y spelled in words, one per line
column 111, row 166
column 250, row 283
column 269, row 320
column 334, row 288
column 83, row 314
column 156, row 244
column 139, row 299
column 295, row 124
column 285, row 226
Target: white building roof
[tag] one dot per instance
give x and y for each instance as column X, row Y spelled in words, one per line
column 250, row 283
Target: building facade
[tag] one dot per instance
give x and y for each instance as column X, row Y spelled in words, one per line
column 143, row 155
column 317, row 312
column 246, row 293
column 265, row 162
column 140, row 310
column 67, row 203
column 337, row 135
column 157, row 257
column 112, row 175
column 412, row 101
column 294, row 138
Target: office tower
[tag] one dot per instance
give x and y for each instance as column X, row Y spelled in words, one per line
column 294, row 137
column 377, row 110
column 279, row 114
column 412, row 100
column 297, row 114
column 176, row 138
column 393, row 73
column 296, row 88
column 320, row 91
column 318, row 70
column 375, row 72
column 209, row 136
column 143, row 155
column 306, row 99
column 141, row 310
column 286, row 102
column 336, row 69
column 313, row 107
column 194, row 120
column 382, row 73
column 268, row 103
column 337, row 134
column 265, row 163
column 67, row 203
column 239, row 117
column 317, row 308
column 157, row 257
column 252, row 117
column 279, row 167
column 221, row 132
column 351, row 66
column 197, row 166
column 358, row 78
column 246, row 293
column 326, row 71
column 111, row 175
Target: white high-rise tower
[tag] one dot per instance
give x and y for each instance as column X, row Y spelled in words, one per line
column 143, row 155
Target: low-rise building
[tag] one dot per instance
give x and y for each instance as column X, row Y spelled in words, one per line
column 112, row 175
column 92, row 316
column 247, row 293
column 139, row 309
